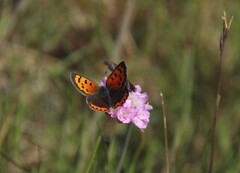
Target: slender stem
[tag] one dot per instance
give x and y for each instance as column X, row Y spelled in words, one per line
column 39, row 159
column 94, row 152
column 120, row 163
column 136, row 156
column 165, row 135
column 226, row 27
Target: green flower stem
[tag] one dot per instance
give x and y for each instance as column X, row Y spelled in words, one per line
column 120, row 163
column 93, row 155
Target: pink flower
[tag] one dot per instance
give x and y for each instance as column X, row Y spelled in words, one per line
column 135, row 110
column 103, row 81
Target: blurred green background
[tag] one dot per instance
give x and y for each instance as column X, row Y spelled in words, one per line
column 168, row 46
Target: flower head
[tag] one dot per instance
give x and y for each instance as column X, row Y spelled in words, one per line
column 103, row 81
column 135, row 110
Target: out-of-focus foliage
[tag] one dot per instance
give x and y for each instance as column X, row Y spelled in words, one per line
column 168, row 46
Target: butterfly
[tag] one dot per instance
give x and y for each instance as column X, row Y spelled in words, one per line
column 102, row 98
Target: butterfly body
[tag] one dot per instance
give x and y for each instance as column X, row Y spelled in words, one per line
column 102, row 98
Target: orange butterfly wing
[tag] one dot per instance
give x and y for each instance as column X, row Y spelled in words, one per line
column 84, row 85
column 117, row 85
column 100, row 101
column 119, row 97
column 117, row 79
column 95, row 95
column 102, row 98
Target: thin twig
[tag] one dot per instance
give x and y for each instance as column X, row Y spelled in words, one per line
column 223, row 38
column 165, row 135
column 39, row 158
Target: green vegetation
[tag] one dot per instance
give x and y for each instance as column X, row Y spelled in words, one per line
column 168, row 46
